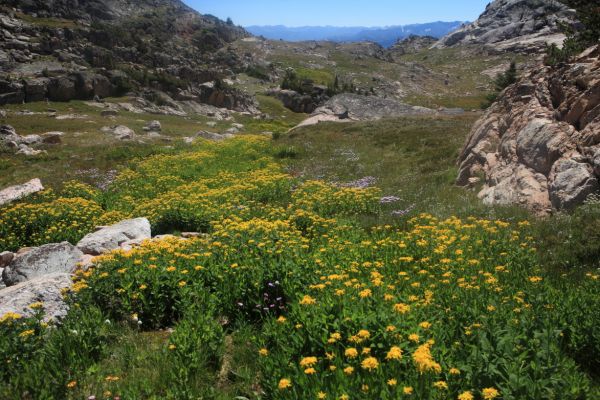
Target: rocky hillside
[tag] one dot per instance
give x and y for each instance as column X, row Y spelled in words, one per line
column 412, row 44
column 539, row 145
column 161, row 49
column 514, row 25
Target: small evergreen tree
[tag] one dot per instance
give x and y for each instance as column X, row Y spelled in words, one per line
column 588, row 13
column 502, row 81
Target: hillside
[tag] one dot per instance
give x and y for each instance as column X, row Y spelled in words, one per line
column 110, row 48
column 515, row 25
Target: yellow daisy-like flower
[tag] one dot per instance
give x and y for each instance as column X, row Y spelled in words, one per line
column 284, row 383
column 310, row 371
column 321, row 395
column 401, row 308
column 392, row 382
column 369, row 363
column 348, row 370
column 466, row 396
column 413, row 337
column 363, row 334
column 351, row 352
column 263, row 352
column 307, row 300
column 365, row 293
column 395, row 353
column 454, row 371
column 490, row 393
column 36, row 306
column 407, row 390
column 72, row 384
column 308, row 361
column 26, row 333
column 440, row 385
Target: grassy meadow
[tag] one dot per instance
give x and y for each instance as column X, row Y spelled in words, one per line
column 300, row 288
column 336, row 261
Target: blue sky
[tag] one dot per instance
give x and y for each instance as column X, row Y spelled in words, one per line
column 340, row 12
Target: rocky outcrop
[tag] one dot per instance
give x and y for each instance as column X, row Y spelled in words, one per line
column 47, row 259
column 46, row 289
column 215, row 137
column 111, row 237
column 514, row 25
column 297, row 102
column 348, row 107
column 226, row 97
column 120, row 132
column 539, row 144
column 93, row 51
column 412, row 44
column 17, row 192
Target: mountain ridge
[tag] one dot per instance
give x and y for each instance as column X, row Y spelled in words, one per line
column 385, row 36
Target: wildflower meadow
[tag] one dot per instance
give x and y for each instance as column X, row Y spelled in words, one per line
column 286, row 271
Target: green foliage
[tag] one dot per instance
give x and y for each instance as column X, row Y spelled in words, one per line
column 440, row 306
column 588, row 14
column 502, row 81
column 572, row 240
column 57, row 220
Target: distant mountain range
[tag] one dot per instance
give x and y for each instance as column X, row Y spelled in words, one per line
column 385, row 36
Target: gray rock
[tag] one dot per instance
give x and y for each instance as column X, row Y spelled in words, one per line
column 4, row 58
column 52, row 137
column 36, row 89
column 46, row 289
column 62, row 89
column 216, row 137
column 121, row 132
column 516, row 25
column 109, row 113
column 28, row 151
column 539, row 144
column 112, row 237
column 352, row 107
column 153, row 126
column 573, row 183
column 47, row 259
column 31, row 139
column 17, row 192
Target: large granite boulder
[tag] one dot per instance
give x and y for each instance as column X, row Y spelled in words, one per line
column 46, row 289
column 17, row 192
column 38, row 261
column 111, row 237
column 539, row 144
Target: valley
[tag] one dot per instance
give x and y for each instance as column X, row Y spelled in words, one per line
column 188, row 211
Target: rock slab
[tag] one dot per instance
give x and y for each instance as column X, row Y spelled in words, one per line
column 47, row 259
column 111, row 237
column 45, row 289
column 17, row 192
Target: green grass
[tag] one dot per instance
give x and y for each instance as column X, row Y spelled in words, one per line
column 86, row 149
column 412, row 158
